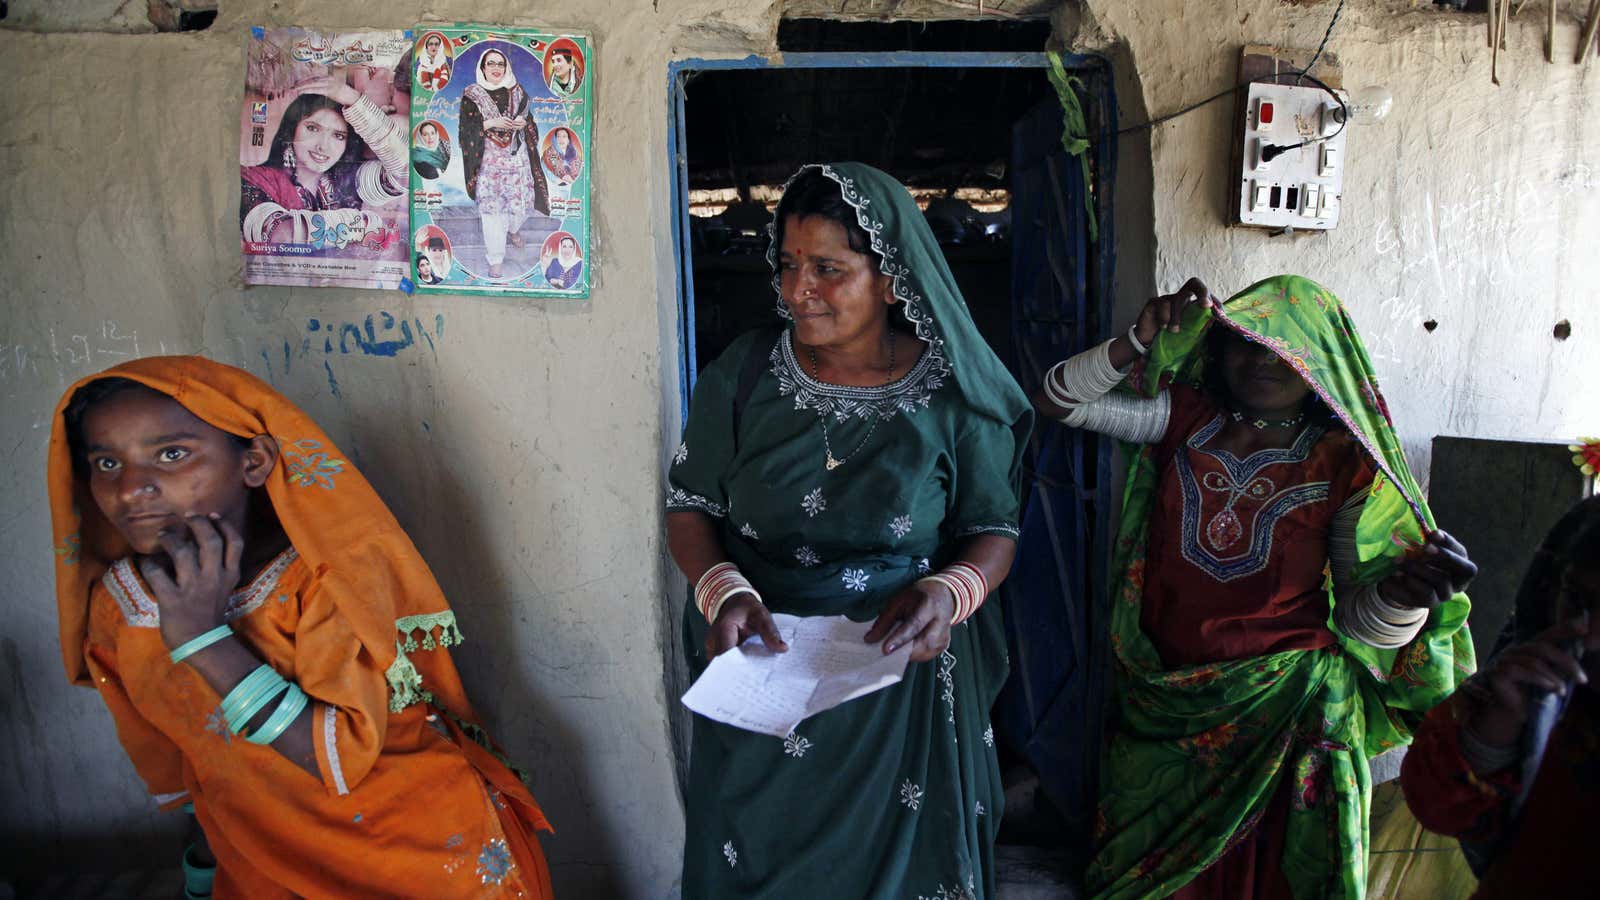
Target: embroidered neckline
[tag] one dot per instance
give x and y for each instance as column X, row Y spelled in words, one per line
column 137, row 608
column 247, row 599
column 1243, row 476
column 141, row 611
column 1241, row 470
column 908, row 393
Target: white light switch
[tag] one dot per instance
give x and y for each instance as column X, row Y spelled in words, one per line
column 1329, row 120
column 1329, row 206
column 1300, row 187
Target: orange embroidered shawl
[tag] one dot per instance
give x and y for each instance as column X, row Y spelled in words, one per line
column 415, row 796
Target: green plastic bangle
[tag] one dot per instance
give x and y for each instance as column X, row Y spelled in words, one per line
column 195, row 644
column 197, row 879
column 255, row 691
column 245, row 690
column 255, row 706
column 242, row 691
column 288, row 709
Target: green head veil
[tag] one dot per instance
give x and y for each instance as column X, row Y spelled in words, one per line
column 1310, row 330
column 909, row 254
column 1199, row 751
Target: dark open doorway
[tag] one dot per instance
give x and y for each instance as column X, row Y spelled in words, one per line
column 944, row 133
column 976, row 136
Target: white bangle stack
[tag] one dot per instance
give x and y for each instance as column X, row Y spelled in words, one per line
column 1125, row 417
column 717, row 585
column 1083, row 378
column 389, row 144
column 1374, row 621
column 966, row 583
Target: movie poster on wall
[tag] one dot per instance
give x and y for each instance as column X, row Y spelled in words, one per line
column 323, row 158
column 500, row 149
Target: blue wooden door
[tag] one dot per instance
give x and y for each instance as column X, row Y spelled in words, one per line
column 1055, row 598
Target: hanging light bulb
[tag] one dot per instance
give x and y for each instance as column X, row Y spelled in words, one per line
column 1367, row 105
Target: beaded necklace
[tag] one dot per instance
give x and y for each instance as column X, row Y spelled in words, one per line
column 832, row 461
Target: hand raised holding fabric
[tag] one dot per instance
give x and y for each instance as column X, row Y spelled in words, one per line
column 742, row 616
column 1061, row 391
column 1166, row 311
column 205, row 554
column 1429, row 578
column 919, row 615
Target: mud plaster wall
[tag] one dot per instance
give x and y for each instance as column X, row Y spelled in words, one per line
column 518, row 442
column 1473, row 206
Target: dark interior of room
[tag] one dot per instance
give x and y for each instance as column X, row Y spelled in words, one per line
column 941, row 129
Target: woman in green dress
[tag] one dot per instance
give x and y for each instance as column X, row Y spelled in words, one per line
column 1285, row 607
column 861, row 460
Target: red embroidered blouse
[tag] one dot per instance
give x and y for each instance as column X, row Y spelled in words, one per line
column 1237, row 551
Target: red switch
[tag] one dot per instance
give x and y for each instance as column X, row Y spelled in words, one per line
column 1264, row 116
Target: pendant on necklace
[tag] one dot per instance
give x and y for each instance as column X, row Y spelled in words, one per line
column 833, row 463
column 1224, row 530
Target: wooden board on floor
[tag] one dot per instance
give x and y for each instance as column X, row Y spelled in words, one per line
column 1498, row 498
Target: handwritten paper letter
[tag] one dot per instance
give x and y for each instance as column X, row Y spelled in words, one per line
column 827, row 664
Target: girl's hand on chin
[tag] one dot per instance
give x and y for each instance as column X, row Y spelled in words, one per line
column 204, row 554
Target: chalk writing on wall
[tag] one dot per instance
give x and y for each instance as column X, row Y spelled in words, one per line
column 63, row 356
column 65, row 353
column 1474, row 244
column 1466, row 242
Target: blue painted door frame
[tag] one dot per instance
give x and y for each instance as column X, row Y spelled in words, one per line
column 1056, row 598
column 678, row 75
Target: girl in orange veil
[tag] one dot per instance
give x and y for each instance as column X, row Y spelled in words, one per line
column 213, row 548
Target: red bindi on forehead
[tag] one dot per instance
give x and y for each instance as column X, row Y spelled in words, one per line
column 816, row 236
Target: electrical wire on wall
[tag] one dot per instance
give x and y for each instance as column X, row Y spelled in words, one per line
column 1275, row 150
column 1302, row 75
column 1325, row 35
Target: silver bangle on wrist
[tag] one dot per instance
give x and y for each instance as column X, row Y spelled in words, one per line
column 1133, row 339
